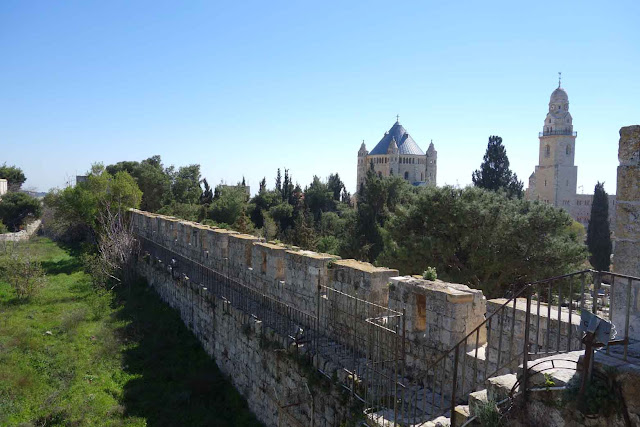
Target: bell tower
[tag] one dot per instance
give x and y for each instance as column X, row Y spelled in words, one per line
column 556, row 176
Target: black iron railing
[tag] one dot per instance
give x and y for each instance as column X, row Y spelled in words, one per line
column 557, row 132
column 366, row 341
column 359, row 340
column 540, row 319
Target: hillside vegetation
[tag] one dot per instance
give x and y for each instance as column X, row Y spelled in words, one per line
column 77, row 355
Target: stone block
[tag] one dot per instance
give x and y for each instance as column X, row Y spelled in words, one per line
column 629, row 145
column 628, row 220
column 628, row 187
column 626, row 259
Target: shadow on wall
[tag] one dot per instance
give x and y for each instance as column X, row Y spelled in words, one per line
column 176, row 382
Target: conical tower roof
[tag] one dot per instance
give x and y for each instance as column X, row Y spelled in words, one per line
column 406, row 144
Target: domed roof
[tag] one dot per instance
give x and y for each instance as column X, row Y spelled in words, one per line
column 406, row 144
column 559, row 95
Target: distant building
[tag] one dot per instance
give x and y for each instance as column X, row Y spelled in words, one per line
column 555, row 179
column 397, row 154
column 4, row 185
column 81, row 178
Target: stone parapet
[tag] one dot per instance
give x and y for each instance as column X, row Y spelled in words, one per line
column 363, row 279
column 279, row 386
column 626, row 259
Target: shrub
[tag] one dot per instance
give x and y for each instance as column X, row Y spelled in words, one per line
column 16, row 208
column 488, row 414
column 23, row 273
column 430, row 274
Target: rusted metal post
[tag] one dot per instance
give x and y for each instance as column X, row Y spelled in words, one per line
column 454, row 386
column 525, row 351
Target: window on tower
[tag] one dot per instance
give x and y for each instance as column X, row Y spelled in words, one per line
column 568, row 150
column 406, row 176
column 547, row 151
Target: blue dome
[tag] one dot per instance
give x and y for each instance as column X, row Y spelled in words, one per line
column 406, row 144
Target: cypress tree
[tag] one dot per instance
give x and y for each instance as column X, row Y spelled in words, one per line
column 494, row 173
column 598, row 234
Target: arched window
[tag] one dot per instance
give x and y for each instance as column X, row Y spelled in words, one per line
column 406, row 176
column 547, row 151
column 568, row 150
column 379, row 174
column 421, row 176
column 391, row 172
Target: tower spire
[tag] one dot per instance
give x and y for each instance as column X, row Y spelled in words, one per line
column 559, row 78
column 397, row 118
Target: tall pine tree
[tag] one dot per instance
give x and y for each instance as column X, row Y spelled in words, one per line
column 598, row 233
column 494, row 173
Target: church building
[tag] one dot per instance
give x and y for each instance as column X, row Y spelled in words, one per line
column 397, row 154
column 555, row 179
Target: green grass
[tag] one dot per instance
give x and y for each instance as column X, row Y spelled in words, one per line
column 75, row 356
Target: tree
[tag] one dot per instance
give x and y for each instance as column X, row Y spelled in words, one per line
column 378, row 200
column 17, row 208
column 278, row 182
column 186, row 184
column 303, row 233
column 494, row 173
column 14, row 176
column 152, row 179
column 318, row 198
column 480, row 238
column 207, row 195
column 335, row 185
column 77, row 211
column 598, row 233
column 230, row 204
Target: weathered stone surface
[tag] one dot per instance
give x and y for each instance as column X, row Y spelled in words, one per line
column 629, row 145
column 628, row 217
column 628, row 188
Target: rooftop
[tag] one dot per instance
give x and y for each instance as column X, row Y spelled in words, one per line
column 406, row 144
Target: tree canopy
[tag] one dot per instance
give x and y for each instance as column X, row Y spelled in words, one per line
column 494, row 173
column 80, row 208
column 480, row 238
column 14, row 176
column 598, row 233
column 16, row 208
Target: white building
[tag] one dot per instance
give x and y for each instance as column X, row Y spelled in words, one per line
column 397, row 154
column 555, row 179
column 3, row 186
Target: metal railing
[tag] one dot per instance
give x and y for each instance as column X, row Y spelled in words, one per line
column 538, row 320
column 557, row 132
column 365, row 343
column 359, row 340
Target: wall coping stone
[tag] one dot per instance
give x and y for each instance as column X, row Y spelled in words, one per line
column 362, row 266
column 270, row 246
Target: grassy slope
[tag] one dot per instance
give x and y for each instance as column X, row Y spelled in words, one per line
column 121, row 358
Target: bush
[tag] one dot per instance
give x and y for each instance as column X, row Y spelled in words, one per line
column 17, row 208
column 23, row 273
column 430, row 274
column 3, row 228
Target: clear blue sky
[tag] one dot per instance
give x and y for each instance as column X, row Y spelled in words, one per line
column 246, row 87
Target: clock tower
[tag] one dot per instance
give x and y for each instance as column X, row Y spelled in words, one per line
column 555, row 178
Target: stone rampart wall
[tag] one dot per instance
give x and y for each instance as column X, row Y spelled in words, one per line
column 436, row 314
column 626, row 258
column 278, row 385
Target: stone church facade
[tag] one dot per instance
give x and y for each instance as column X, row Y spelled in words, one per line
column 555, row 179
column 397, row 154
